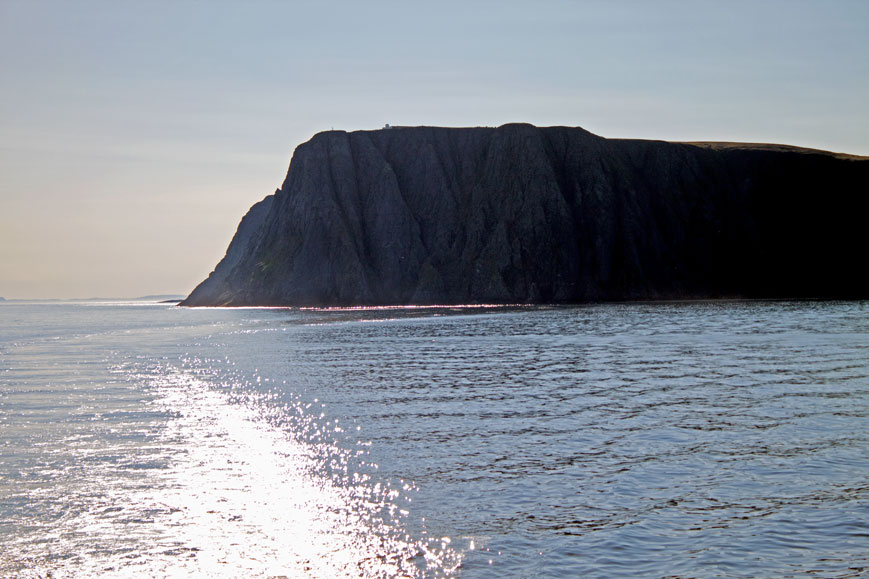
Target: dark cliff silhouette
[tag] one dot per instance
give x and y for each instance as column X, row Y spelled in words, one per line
column 521, row 214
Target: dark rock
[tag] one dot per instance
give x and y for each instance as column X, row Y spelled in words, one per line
column 520, row 214
column 218, row 288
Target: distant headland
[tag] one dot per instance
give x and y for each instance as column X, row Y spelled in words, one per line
column 522, row 214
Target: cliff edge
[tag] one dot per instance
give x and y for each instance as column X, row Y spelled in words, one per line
column 521, row 214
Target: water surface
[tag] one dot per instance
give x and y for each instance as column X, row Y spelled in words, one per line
column 721, row 439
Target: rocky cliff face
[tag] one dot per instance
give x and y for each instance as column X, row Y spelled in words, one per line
column 520, row 214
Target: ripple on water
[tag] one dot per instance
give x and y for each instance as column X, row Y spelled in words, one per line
column 713, row 440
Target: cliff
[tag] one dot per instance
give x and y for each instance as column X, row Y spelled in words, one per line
column 521, row 214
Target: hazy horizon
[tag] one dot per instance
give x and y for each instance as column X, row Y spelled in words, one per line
column 152, row 297
column 134, row 137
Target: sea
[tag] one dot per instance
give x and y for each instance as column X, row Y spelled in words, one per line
column 695, row 439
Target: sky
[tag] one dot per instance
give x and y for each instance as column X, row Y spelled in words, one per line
column 134, row 135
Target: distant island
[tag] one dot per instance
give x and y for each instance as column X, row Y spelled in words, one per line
column 162, row 298
column 522, row 214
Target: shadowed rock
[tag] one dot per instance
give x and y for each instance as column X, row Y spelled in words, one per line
column 520, row 214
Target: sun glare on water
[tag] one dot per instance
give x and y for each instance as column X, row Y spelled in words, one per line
column 242, row 498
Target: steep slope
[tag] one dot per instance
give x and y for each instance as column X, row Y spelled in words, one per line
column 518, row 213
column 218, row 287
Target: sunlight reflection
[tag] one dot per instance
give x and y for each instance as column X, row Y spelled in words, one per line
column 237, row 495
column 247, row 502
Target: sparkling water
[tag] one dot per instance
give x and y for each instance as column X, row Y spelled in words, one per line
column 716, row 439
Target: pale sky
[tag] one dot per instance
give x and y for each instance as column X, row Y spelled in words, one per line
column 135, row 134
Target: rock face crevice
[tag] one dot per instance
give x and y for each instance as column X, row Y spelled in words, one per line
column 521, row 214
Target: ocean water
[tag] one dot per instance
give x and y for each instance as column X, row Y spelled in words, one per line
column 719, row 439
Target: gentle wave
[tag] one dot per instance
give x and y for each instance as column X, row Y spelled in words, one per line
column 707, row 439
